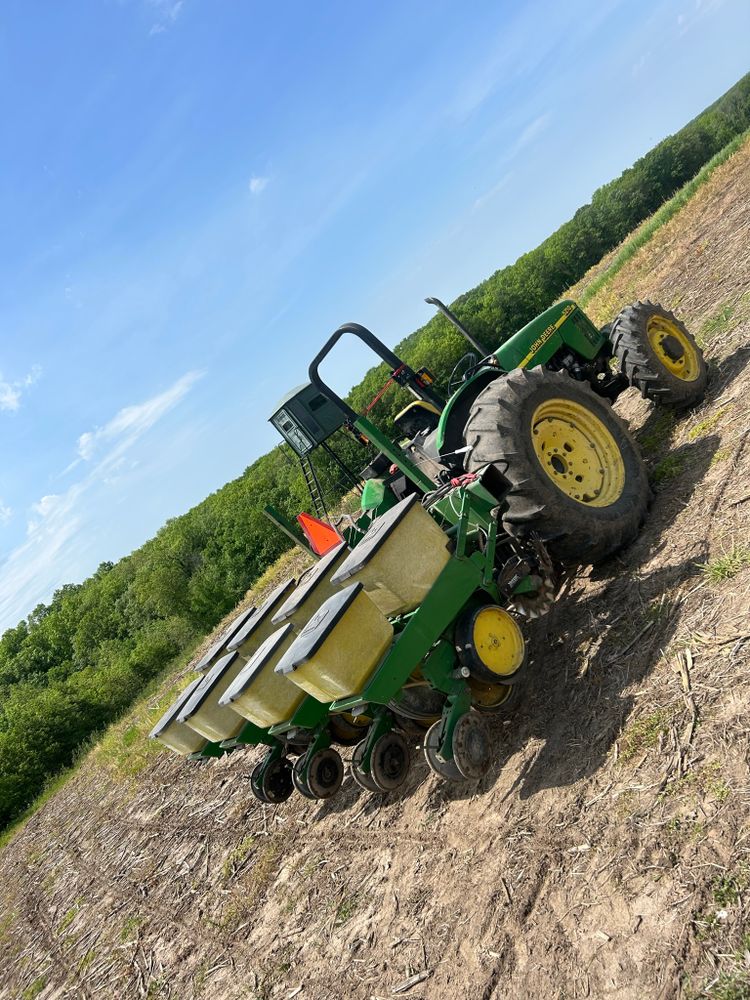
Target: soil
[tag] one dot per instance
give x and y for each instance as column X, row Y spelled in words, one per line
column 605, row 853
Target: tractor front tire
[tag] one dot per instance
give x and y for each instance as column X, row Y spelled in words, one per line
column 576, row 476
column 658, row 355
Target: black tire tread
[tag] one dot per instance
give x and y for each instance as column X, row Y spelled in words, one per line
column 641, row 366
column 495, row 435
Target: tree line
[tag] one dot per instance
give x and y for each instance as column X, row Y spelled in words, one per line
column 75, row 664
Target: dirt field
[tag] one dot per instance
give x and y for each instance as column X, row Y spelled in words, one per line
column 605, row 854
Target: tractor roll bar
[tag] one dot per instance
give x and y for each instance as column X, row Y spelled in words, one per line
column 406, row 375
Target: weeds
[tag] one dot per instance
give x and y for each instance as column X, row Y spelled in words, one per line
column 726, row 566
column 34, row 989
column 705, row 425
column 641, row 735
column 718, row 323
column 668, row 469
column 237, row 856
column 729, row 887
column 720, row 456
column 69, row 917
column 658, row 432
column 130, row 928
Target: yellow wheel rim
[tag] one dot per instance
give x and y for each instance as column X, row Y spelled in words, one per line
column 489, row 695
column 497, row 641
column 664, row 337
column 578, row 453
column 360, row 721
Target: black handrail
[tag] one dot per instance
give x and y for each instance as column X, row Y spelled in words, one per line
column 406, row 375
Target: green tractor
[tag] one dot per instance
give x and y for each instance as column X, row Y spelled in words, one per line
column 537, row 410
column 409, row 628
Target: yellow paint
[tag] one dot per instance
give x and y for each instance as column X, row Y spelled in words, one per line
column 577, row 452
column 545, row 335
column 343, row 663
column 497, row 641
column 686, row 368
column 418, row 404
column 488, row 695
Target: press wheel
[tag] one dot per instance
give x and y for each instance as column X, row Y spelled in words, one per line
column 490, row 644
column 325, row 774
column 297, row 779
column 446, row 769
column 276, row 781
column 494, row 699
column 363, row 779
column 255, row 784
column 472, row 748
column 389, row 761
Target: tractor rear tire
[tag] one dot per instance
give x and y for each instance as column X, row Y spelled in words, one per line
column 576, row 477
column 658, row 355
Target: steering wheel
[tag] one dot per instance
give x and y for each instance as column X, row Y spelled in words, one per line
column 464, row 365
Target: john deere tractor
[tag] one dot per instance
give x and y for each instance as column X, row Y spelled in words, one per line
column 409, row 627
column 538, row 410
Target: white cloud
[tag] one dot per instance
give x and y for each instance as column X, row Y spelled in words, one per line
column 489, row 195
column 59, row 541
column 167, row 12
column 689, row 18
column 257, row 184
column 6, row 513
column 11, row 392
column 132, row 421
column 529, row 133
column 46, row 505
column 638, row 67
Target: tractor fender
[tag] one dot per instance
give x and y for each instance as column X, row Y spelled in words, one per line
column 450, row 429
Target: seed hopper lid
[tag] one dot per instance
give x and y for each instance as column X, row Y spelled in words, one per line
column 317, row 629
column 256, row 664
column 377, row 534
column 261, row 614
column 224, row 639
column 172, row 712
column 206, row 685
column 319, row 574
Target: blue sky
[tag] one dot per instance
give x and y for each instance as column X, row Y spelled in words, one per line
column 194, row 194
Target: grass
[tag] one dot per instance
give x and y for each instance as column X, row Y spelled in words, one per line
column 69, row 917
column 34, row 989
column 706, row 425
column 716, row 324
column 721, row 455
column 722, row 320
column 130, row 928
column 657, row 431
column 641, row 735
column 663, row 215
column 254, row 881
column 237, row 856
column 729, row 887
column 730, row 986
column 668, row 469
column 725, row 566
column 51, row 788
column 346, row 909
column 5, row 923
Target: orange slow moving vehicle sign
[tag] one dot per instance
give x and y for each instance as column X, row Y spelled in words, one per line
column 321, row 536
